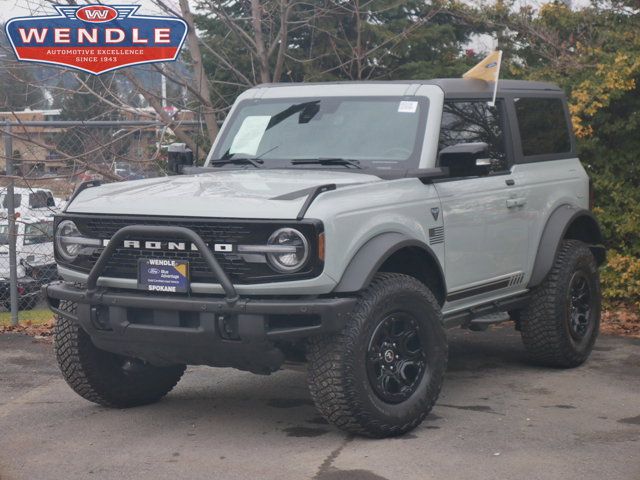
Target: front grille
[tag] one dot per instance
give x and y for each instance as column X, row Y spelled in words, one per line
column 99, row 227
column 124, row 262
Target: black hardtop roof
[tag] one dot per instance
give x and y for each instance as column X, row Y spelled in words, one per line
column 453, row 86
column 463, row 85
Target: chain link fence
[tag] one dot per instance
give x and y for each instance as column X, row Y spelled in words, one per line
column 42, row 161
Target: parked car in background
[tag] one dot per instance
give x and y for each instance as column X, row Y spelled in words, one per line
column 30, row 202
column 60, row 203
column 126, row 171
column 34, row 255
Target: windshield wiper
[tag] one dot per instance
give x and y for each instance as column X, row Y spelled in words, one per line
column 327, row 161
column 242, row 160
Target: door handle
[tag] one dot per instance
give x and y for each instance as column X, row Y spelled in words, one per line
column 516, row 202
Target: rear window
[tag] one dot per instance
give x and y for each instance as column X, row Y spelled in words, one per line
column 543, row 126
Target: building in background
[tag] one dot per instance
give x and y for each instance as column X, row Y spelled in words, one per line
column 34, row 148
column 50, row 150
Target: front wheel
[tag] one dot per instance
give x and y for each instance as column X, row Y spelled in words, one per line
column 560, row 325
column 105, row 378
column 382, row 374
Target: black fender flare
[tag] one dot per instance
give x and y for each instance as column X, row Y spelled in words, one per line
column 372, row 255
column 555, row 230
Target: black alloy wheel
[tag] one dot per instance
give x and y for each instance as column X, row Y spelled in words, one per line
column 579, row 304
column 395, row 359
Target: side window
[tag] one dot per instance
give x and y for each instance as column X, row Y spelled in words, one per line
column 543, row 126
column 35, row 233
column 38, row 199
column 474, row 121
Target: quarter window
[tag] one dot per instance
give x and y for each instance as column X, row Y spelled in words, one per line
column 475, row 121
column 543, row 126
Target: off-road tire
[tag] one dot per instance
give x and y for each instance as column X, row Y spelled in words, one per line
column 99, row 376
column 545, row 322
column 337, row 373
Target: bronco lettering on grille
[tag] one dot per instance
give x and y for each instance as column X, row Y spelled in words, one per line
column 171, row 246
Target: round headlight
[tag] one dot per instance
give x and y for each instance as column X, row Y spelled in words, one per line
column 66, row 235
column 293, row 250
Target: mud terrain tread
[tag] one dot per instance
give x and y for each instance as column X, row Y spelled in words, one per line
column 542, row 323
column 331, row 376
column 93, row 374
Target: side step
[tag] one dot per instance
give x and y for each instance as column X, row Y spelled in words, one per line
column 480, row 324
column 485, row 314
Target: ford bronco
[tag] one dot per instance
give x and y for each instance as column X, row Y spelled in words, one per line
column 345, row 225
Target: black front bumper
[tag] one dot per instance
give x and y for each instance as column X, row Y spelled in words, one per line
column 203, row 330
column 242, row 332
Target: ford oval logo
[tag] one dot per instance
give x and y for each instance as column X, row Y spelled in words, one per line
column 96, row 14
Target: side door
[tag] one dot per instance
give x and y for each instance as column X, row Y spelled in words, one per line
column 485, row 228
column 547, row 163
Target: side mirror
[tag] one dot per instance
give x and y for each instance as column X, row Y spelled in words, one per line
column 179, row 157
column 466, row 159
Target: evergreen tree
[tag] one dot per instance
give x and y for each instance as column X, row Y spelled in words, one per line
column 18, row 89
column 84, row 102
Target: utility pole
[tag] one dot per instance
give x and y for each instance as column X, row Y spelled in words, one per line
column 11, row 214
column 164, row 89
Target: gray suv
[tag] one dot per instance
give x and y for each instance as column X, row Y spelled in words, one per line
column 343, row 225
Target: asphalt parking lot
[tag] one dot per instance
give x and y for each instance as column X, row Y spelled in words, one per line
column 498, row 417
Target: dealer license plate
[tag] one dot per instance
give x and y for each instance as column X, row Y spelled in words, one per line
column 161, row 275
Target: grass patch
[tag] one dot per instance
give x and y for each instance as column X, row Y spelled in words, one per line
column 37, row 316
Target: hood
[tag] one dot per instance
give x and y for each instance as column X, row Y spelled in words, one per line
column 262, row 194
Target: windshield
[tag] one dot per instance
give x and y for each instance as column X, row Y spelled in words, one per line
column 373, row 132
column 41, row 232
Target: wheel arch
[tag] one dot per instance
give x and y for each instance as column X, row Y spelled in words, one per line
column 397, row 253
column 566, row 223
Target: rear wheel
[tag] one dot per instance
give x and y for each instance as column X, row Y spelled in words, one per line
column 561, row 324
column 105, row 378
column 382, row 374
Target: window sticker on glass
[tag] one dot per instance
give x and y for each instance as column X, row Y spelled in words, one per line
column 407, row 107
column 249, row 135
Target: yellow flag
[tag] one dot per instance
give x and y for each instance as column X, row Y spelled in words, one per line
column 488, row 69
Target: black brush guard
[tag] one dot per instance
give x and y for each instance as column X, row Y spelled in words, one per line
column 229, row 330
